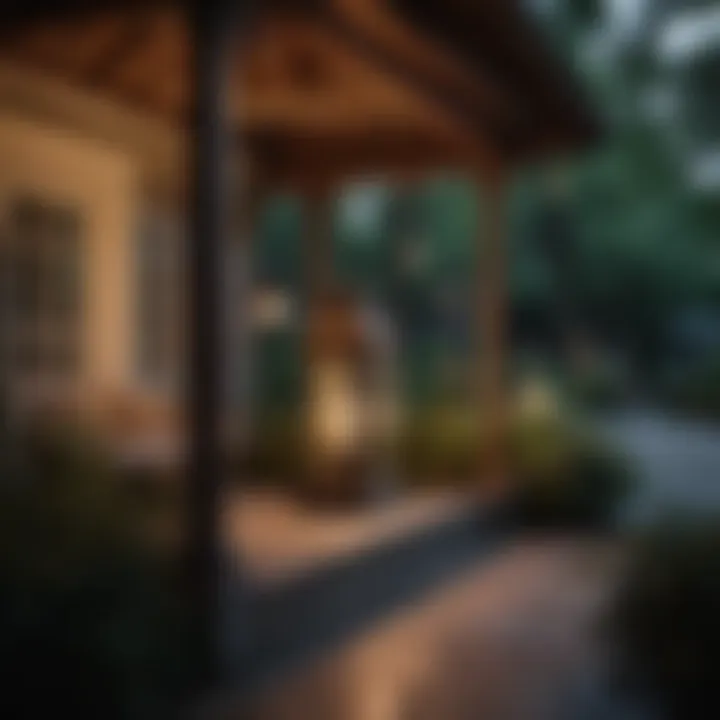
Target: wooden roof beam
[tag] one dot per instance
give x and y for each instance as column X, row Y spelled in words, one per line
column 548, row 96
column 136, row 32
column 302, row 161
column 373, row 29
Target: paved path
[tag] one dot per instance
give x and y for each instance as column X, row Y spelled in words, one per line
column 678, row 462
column 508, row 640
column 346, row 580
column 511, row 638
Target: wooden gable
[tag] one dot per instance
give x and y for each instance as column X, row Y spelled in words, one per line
column 331, row 87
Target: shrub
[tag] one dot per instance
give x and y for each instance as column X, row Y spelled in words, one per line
column 665, row 620
column 441, row 445
column 697, row 391
column 566, row 477
column 90, row 623
column 600, row 388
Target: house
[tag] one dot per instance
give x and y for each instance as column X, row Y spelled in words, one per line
column 119, row 119
column 93, row 171
column 91, row 300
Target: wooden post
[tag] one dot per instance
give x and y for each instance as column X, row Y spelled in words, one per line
column 403, row 226
column 493, row 279
column 209, row 150
column 319, row 274
column 320, row 258
column 240, row 303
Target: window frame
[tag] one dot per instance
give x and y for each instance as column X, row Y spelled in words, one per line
column 64, row 336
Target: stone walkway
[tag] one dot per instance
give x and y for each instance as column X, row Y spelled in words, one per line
column 512, row 639
column 315, row 579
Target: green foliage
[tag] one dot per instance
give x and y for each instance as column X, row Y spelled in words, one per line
column 601, row 387
column 565, row 475
column 701, row 81
column 567, row 478
column 279, row 251
column 89, row 621
column 665, row 620
column 697, row 390
column 645, row 236
column 279, row 381
column 441, row 445
column 450, row 214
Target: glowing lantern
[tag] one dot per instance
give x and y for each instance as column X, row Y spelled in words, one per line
column 350, row 403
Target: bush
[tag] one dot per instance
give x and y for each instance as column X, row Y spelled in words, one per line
column 441, row 445
column 566, row 477
column 665, row 621
column 601, row 388
column 90, row 623
column 697, row 391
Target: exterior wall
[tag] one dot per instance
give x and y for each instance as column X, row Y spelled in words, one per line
column 101, row 184
column 123, row 170
column 155, row 145
column 113, row 167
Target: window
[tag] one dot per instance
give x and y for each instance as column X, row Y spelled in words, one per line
column 159, row 303
column 40, row 261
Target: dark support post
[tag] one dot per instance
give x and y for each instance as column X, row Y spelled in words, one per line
column 240, row 295
column 319, row 218
column 209, row 150
column 319, row 275
column 494, row 321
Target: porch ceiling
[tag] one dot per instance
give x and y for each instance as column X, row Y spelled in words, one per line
column 332, row 87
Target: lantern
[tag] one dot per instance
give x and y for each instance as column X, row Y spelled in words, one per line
column 350, row 409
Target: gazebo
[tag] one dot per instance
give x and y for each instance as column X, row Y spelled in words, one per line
column 303, row 95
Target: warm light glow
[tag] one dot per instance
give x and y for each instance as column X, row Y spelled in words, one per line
column 336, row 413
column 273, row 309
column 536, row 399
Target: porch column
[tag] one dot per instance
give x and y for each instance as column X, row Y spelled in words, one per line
column 319, row 275
column 319, row 260
column 209, row 152
column 320, row 253
column 240, row 304
column 493, row 318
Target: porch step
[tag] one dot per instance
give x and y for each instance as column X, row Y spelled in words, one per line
column 294, row 621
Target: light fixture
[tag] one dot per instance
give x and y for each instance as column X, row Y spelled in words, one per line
column 273, row 309
column 350, row 401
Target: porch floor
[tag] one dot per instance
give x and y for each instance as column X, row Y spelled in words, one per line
column 278, row 539
column 311, row 579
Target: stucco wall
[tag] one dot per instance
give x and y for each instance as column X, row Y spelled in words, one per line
column 154, row 143
column 57, row 166
column 120, row 168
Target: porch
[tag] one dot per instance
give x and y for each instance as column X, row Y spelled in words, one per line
column 314, row 95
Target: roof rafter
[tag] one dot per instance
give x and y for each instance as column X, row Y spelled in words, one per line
column 137, row 30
